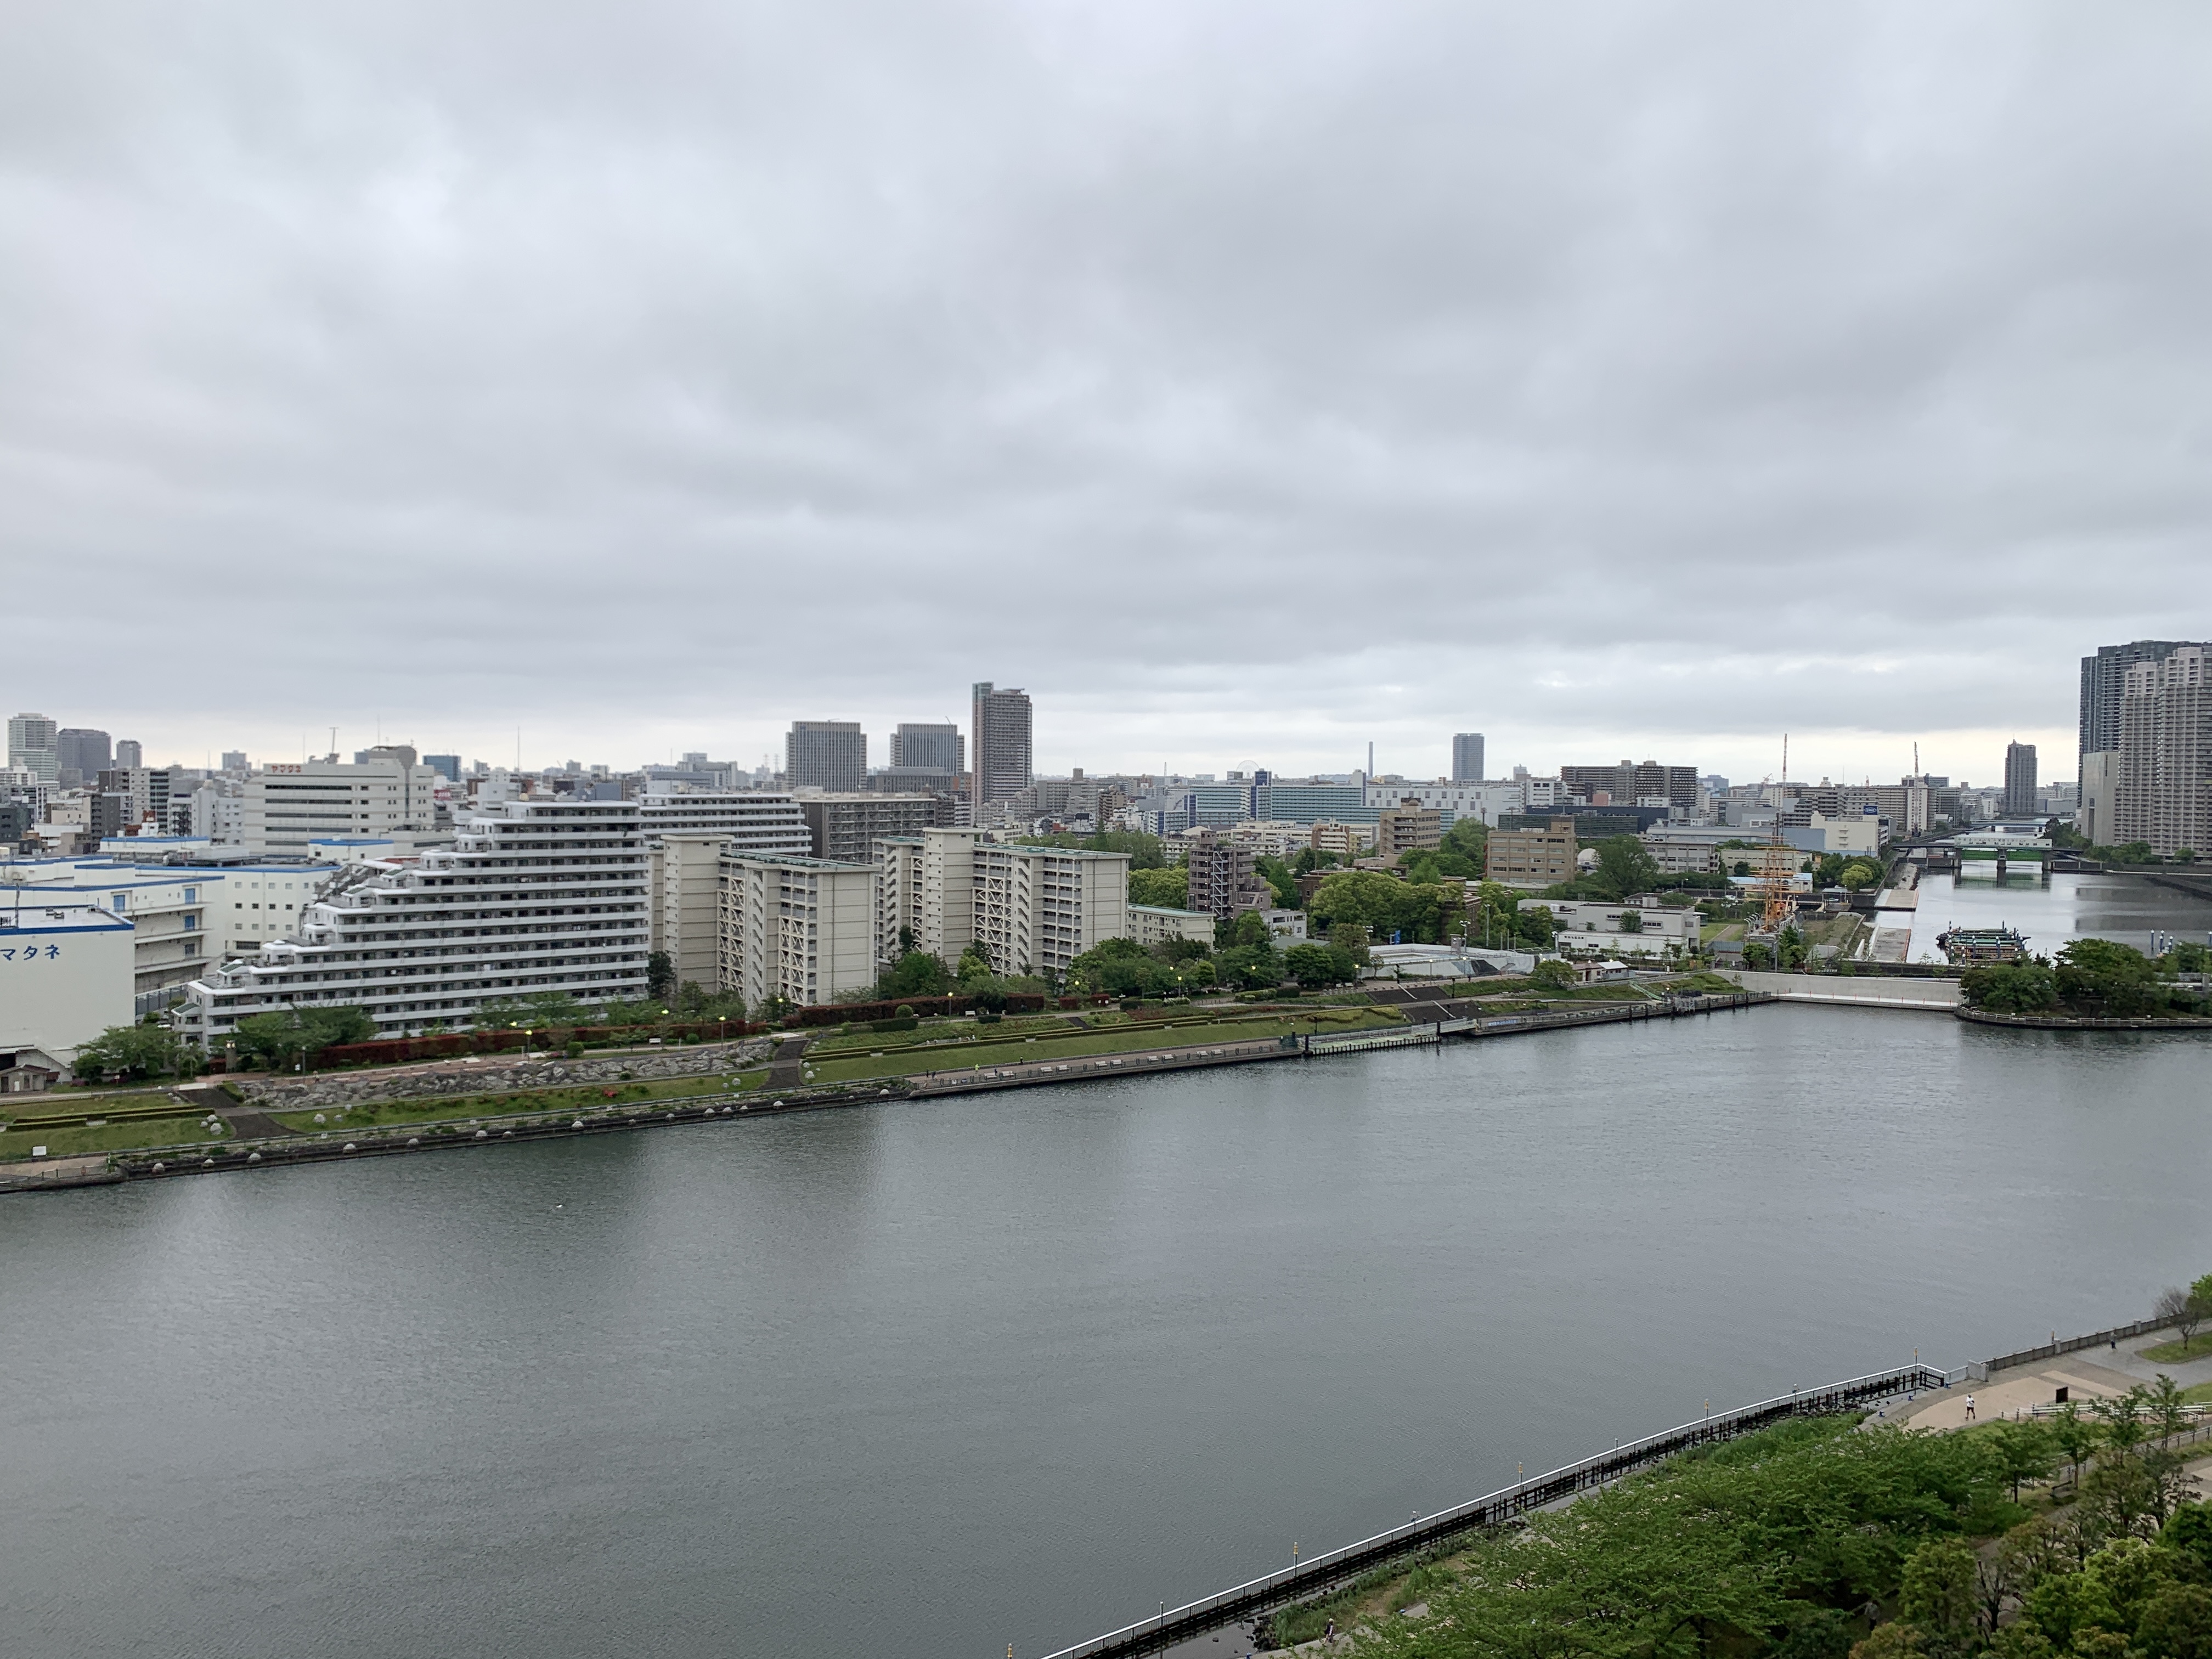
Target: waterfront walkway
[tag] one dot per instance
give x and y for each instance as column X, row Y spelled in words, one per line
column 1928, row 996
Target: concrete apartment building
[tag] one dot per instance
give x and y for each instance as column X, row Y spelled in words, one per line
column 1000, row 722
column 683, row 889
column 1408, row 826
column 389, row 794
column 1223, row 877
column 751, row 821
column 1034, row 909
column 1156, row 924
column 1347, row 841
column 800, row 929
column 1532, row 858
column 1629, row 782
column 825, row 755
column 844, row 829
column 535, row 896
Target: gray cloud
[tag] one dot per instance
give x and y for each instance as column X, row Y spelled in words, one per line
column 1248, row 381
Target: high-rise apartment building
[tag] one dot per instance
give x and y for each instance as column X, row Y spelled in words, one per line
column 2020, row 781
column 1033, row 910
column 1004, row 766
column 844, row 828
column 2162, row 793
column 1467, row 757
column 929, row 747
column 825, row 755
column 746, row 820
column 800, row 929
column 1223, row 880
column 535, row 896
column 32, row 747
column 2104, row 679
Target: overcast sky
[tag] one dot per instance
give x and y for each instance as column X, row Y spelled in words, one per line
column 1248, row 381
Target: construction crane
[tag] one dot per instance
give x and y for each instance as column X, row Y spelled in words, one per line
column 1777, row 866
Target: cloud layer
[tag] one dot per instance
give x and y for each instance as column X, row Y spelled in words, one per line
column 1249, row 381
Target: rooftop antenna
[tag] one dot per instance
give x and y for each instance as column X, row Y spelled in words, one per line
column 1916, row 758
column 1370, row 757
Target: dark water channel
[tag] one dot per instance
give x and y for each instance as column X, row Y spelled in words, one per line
column 926, row 1380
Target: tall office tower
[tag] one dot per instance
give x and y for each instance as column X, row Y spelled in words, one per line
column 129, row 753
column 234, row 759
column 2162, row 791
column 929, row 747
column 1467, row 757
column 2020, row 781
column 1001, row 743
column 825, row 755
column 83, row 749
column 32, row 746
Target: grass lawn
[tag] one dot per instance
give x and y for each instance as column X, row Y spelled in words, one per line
column 2199, row 1395
column 2168, row 1353
column 16, row 1143
column 1118, row 1040
column 591, row 1096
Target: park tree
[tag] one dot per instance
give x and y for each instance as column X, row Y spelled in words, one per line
column 1317, row 965
column 2181, row 1308
column 1625, row 865
column 2022, row 1451
column 2010, row 987
column 136, row 1053
column 2115, row 978
column 916, row 973
column 1938, row 1592
column 1859, row 874
column 293, row 1035
column 2176, row 1622
column 1278, row 877
column 660, row 975
column 2075, row 1436
column 1551, row 975
column 975, row 962
column 1167, row 889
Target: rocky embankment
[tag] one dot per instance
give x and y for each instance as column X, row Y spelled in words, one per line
column 282, row 1094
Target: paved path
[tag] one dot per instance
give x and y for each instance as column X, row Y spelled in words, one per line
column 788, row 1069
column 1148, row 1060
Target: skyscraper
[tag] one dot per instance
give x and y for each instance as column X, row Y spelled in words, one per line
column 929, row 747
column 2103, row 678
column 1467, row 757
column 2020, row 781
column 1001, row 743
column 825, row 755
column 2163, row 775
column 84, row 750
column 31, row 746
column 128, row 752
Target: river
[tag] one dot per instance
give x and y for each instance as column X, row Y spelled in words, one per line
column 930, row 1379
column 2052, row 911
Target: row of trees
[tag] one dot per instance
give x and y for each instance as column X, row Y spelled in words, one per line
column 2094, row 977
column 1791, row 1542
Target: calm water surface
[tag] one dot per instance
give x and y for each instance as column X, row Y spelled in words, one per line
column 926, row 1380
column 2053, row 912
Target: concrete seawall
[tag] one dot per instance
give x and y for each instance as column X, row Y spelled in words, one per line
column 1930, row 996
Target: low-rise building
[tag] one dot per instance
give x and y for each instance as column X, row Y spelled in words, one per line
column 68, row 966
column 1153, row 924
column 1532, row 858
column 1641, row 930
column 1408, row 826
column 1347, row 841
